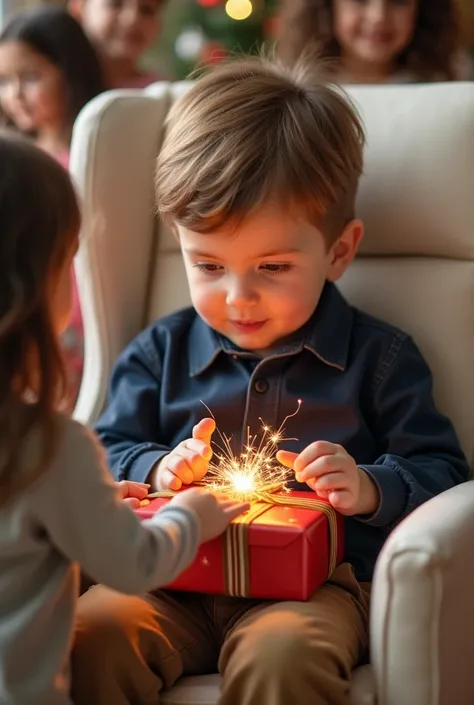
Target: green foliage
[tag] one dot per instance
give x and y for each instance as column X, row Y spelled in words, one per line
column 194, row 34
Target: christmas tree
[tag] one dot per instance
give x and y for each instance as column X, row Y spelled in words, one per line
column 206, row 31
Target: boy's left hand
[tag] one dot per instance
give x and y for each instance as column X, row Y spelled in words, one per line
column 333, row 474
column 133, row 492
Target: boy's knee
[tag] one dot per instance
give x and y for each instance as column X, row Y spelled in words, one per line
column 274, row 642
column 106, row 627
column 284, row 645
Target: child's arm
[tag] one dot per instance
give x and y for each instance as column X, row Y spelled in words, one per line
column 129, row 428
column 79, row 505
column 420, row 454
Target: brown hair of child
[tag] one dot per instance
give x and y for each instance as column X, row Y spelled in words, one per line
column 252, row 131
column 40, row 220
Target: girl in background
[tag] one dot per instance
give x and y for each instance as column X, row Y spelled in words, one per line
column 376, row 41
column 48, row 72
column 121, row 31
column 59, row 507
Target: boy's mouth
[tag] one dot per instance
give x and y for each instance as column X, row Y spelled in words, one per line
column 248, row 326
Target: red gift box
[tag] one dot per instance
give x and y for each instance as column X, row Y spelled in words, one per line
column 282, row 551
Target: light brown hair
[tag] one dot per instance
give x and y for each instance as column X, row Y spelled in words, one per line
column 252, row 131
column 39, row 220
column 430, row 55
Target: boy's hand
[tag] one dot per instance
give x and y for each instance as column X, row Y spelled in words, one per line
column 333, row 474
column 133, row 492
column 188, row 462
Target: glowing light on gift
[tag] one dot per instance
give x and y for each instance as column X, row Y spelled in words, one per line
column 256, row 470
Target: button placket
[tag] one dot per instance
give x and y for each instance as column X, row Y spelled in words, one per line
column 262, row 400
column 261, row 385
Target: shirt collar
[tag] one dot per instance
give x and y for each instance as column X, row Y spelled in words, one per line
column 330, row 328
column 327, row 335
column 204, row 346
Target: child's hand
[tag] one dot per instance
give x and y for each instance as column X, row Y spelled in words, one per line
column 133, row 492
column 188, row 462
column 331, row 472
column 215, row 511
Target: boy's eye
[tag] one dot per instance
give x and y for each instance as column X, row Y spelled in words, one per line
column 276, row 268
column 208, row 267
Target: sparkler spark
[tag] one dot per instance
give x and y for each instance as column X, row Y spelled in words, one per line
column 256, row 469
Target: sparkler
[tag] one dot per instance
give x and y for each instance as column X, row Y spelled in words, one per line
column 256, row 470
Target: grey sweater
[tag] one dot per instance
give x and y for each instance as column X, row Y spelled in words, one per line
column 72, row 517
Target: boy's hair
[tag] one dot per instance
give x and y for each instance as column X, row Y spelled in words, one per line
column 430, row 55
column 54, row 33
column 39, row 223
column 252, row 131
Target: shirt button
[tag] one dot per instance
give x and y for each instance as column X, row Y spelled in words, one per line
column 261, row 386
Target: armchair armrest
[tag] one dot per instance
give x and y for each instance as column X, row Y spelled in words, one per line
column 422, row 614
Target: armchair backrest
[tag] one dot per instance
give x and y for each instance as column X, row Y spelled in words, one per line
column 416, row 265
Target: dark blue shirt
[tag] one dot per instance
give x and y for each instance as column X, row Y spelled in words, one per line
column 363, row 385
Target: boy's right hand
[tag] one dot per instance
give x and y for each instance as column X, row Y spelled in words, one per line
column 215, row 511
column 188, row 462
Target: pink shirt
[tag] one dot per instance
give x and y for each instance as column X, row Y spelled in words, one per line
column 73, row 336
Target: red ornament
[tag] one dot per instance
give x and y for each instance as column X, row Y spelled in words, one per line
column 271, row 26
column 213, row 53
column 208, row 3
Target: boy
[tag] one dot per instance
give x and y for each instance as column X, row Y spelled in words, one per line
column 121, row 31
column 258, row 175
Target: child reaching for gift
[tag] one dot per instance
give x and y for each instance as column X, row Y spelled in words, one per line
column 377, row 41
column 59, row 507
column 257, row 176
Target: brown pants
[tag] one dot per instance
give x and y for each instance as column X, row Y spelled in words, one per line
column 269, row 653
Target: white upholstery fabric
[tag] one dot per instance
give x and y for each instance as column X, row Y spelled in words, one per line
column 416, row 270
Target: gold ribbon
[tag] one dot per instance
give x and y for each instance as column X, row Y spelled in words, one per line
column 236, row 545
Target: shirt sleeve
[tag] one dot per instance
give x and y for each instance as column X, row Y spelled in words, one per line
column 129, row 428
column 422, row 456
column 78, row 504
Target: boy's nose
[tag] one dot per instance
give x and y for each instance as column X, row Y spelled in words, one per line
column 241, row 294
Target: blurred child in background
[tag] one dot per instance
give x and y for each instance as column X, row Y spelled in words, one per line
column 121, row 31
column 48, row 72
column 376, row 41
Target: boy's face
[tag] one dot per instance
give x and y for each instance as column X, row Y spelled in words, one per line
column 121, row 28
column 260, row 282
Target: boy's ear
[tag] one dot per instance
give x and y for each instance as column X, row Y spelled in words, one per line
column 345, row 249
column 75, row 9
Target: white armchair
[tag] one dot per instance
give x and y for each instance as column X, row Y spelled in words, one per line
column 416, row 270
